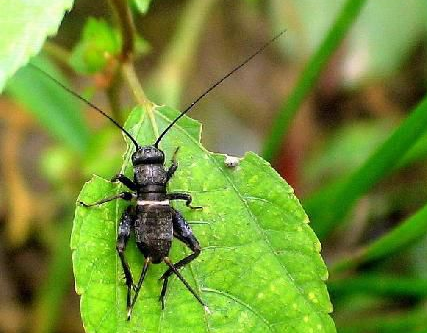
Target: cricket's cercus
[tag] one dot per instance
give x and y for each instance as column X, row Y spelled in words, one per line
column 151, row 217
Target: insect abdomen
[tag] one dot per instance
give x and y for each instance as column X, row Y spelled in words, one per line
column 154, row 231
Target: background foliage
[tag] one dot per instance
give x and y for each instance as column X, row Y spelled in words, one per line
column 344, row 90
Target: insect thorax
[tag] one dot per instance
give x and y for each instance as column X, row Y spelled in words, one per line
column 150, row 174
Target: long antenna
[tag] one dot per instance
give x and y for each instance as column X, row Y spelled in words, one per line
column 85, row 101
column 235, row 69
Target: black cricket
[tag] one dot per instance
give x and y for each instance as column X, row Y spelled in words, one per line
column 153, row 220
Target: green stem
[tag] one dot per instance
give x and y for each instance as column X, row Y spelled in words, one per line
column 405, row 234
column 133, row 82
column 132, row 79
column 127, row 28
column 57, row 52
column 309, row 77
column 128, row 32
column 113, row 94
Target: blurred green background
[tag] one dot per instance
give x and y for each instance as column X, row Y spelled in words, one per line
column 337, row 105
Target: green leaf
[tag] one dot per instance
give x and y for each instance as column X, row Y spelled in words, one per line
column 58, row 111
column 103, row 153
column 24, row 26
column 141, row 5
column 99, row 43
column 259, row 270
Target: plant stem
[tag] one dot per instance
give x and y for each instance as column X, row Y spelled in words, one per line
column 128, row 33
column 127, row 28
column 113, row 94
column 57, row 52
column 309, row 77
column 133, row 82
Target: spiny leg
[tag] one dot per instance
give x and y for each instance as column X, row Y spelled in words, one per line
column 127, row 222
column 124, row 195
column 183, row 196
column 184, row 281
column 138, row 287
column 183, row 232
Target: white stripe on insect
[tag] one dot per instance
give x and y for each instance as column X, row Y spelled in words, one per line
column 152, row 202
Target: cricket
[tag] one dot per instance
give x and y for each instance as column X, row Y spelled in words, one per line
column 150, row 215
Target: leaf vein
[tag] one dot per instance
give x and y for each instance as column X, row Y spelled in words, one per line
column 238, row 300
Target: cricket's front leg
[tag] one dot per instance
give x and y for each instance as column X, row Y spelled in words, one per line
column 124, row 195
column 125, row 181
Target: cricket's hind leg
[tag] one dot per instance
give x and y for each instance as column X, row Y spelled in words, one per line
column 184, row 281
column 138, row 287
column 183, row 232
column 127, row 223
